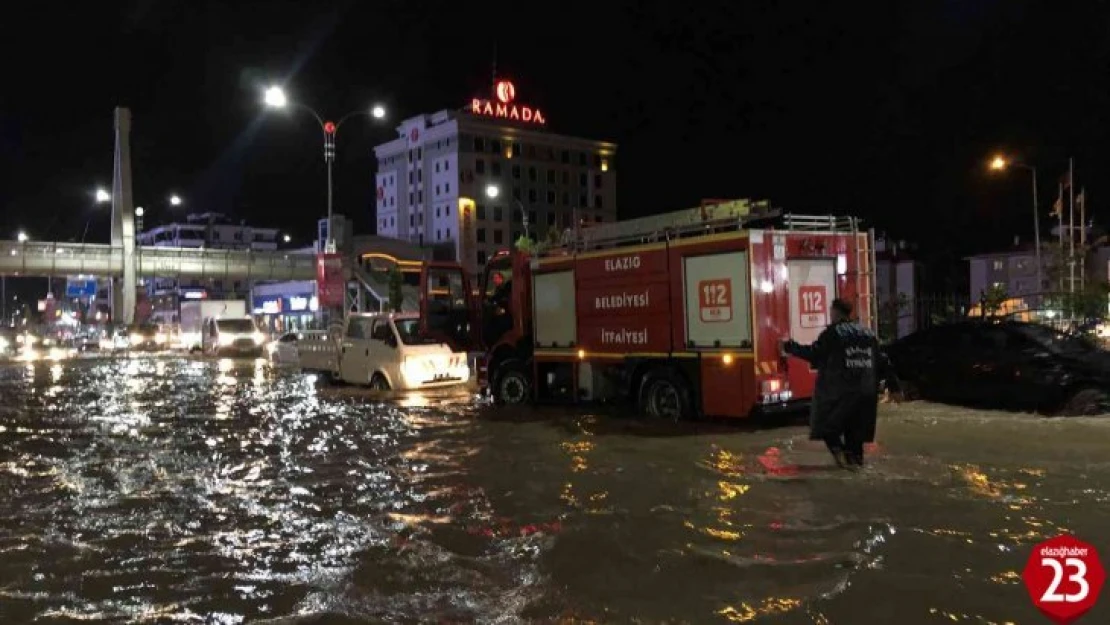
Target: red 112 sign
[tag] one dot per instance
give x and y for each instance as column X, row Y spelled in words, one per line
column 715, row 300
column 1064, row 578
column 813, row 306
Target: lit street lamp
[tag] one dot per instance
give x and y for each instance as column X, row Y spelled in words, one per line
column 1000, row 163
column 286, row 238
column 274, row 97
column 22, row 236
column 103, row 196
column 175, row 200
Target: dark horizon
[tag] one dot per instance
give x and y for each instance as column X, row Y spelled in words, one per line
column 889, row 112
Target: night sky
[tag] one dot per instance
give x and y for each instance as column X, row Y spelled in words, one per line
column 886, row 110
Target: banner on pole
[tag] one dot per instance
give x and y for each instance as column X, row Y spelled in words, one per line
column 330, row 289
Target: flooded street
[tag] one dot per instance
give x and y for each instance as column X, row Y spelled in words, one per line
column 159, row 489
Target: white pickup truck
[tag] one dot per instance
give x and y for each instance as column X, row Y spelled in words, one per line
column 384, row 351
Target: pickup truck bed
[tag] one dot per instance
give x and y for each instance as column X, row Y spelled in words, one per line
column 318, row 351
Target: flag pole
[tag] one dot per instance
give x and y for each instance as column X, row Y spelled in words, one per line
column 1060, row 230
column 1071, row 225
column 1082, row 237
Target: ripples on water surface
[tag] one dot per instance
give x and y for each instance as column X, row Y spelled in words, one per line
column 163, row 489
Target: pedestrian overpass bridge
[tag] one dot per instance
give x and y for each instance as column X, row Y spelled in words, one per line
column 70, row 259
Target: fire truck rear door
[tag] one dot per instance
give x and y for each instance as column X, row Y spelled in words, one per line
column 812, row 283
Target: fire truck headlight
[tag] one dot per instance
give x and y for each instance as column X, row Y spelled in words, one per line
column 727, row 359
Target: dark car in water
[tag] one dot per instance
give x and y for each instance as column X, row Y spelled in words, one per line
column 1007, row 364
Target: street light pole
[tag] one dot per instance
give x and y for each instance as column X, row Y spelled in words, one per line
column 275, row 97
column 1037, row 233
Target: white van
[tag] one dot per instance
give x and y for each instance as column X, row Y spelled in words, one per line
column 231, row 336
column 386, row 351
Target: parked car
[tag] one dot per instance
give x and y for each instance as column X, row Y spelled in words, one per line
column 1005, row 364
column 283, row 351
column 146, row 337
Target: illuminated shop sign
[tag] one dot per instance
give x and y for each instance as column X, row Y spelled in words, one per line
column 298, row 303
column 505, row 107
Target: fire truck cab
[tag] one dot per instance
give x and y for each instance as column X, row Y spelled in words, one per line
column 684, row 314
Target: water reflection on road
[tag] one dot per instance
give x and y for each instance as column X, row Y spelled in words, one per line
column 159, row 488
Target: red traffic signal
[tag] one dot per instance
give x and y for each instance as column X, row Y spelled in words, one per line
column 329, row 128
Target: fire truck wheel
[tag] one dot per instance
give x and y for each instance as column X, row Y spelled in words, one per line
column 512, row 386
column 665, row 395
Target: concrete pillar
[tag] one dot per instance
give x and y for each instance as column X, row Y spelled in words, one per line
column 123, row 222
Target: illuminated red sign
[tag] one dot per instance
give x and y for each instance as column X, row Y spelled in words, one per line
column 504, row 107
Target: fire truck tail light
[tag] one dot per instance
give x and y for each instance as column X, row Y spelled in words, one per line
column 771, row 386
column 581, row 354
column 774, row 391
column 727, row 359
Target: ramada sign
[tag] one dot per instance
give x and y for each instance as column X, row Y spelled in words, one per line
column 504, row 107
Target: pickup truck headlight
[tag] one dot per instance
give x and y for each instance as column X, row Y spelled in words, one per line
column 259, row 338
column 226, row 339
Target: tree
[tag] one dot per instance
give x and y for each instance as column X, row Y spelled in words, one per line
column 526, row 245
column 553, row 239
column 396, row 290
column 993, row 299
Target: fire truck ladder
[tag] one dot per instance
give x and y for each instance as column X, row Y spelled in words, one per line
column 708, row 219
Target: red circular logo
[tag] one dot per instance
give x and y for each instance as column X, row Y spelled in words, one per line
column 505, row 90
column 329, row 128
column 414, row 134
column 1064, row 578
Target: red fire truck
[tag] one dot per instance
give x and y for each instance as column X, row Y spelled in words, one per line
column 683, row 314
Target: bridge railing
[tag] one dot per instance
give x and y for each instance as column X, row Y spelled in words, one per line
column 51, row 258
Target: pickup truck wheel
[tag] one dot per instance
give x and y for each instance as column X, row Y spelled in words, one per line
column 511, row 385
column 665, row 395
column 1087, row 402
column 378, row 383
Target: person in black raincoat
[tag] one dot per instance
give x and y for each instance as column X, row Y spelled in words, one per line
column 846, row 397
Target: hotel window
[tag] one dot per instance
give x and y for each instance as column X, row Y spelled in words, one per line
column 437, row 189
column 550, row 197
column 481, row 257
column 437, row 211
column 419, row 153
column 566, row 199
column 437, row 167
column 516, row 149
column 447, row 210
column 566, row 177
column 446, row 165
column 597, row 180
column 532, row 195
column 497, row 214
column 532, row 174
column 447, row 187
column 497, row 237
column 479, row 144
column 480, row 211
column 438, row 237
column 597, row 160
column 480, row 235
column 518, row 216
column 551, row 218
column 531, row 151
column 479, row 166
column 565, row 158
column 597, row 201
column 495, row 147
column 582, row 201
column 551, row 176
column 582, row 179
column 581, row 158
column 495, row 168
column 532, row 217
column 516, row 172
column 516, row 193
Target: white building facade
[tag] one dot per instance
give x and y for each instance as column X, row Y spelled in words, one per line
column 432, row 180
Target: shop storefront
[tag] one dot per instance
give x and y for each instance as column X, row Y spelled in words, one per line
column 286, row 307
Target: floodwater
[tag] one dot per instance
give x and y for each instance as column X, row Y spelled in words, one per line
column 163, row 489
